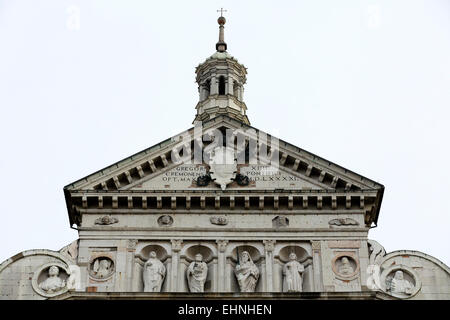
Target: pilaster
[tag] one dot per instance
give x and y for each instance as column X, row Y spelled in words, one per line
column 221, row 246
column 317, row 265
column 175, row 276
column 268, row 249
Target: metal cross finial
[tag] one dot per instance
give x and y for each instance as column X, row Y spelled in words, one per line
column 221, row 11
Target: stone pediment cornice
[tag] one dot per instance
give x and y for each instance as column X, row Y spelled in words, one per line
column 300, row 201
column 232, row 191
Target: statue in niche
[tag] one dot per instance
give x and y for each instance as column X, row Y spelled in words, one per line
column 293, row 272
column 196, row 274
column 102, row 268
column 154, row 274
column 53, row 283
column 247, row 273
column 399, row 284
column 345, row 268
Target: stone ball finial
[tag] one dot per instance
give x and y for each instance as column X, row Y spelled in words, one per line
column 221, row 20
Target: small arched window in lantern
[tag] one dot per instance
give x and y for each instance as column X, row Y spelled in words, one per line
column 222, row 85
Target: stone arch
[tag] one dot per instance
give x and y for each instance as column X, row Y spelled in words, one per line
column 430, row 276
column 207, row 250
column 284, row 251
column 161, row 252
column 419, row 254
column 26, row 266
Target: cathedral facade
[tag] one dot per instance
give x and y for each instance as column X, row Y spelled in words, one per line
column 223, row 210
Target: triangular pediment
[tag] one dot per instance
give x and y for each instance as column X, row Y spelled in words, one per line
column 159, row 171
column 154, row 168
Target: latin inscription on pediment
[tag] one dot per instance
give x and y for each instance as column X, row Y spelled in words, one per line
column 267, row 177
column 260, row 177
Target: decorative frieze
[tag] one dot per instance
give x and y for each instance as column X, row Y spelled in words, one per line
column 309, row 200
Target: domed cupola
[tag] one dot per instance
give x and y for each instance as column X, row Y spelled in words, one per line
column 221, row 80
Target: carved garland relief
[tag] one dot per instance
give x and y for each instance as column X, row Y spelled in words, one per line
column 106, row 220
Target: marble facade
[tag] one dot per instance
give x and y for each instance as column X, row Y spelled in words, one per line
column 285, row 223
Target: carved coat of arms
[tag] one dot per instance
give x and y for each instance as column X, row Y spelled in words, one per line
column 223, row 166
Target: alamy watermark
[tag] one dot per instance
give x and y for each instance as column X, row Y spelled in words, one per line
column 247, row 146
column 73, row 21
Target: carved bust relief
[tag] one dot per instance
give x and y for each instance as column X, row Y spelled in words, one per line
column 400, row 281
column 101, row 268
column 50, row 280
column 53, row 283
column 345, row 266
column 280, row 221
column 398, row 284
column 165, row 221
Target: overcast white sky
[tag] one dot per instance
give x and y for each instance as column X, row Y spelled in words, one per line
column 364, row 84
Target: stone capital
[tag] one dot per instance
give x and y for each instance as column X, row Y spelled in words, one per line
column 176, row 244
column 269, row 245
column 131, row 244
column 222, row 245
column 315, row 245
